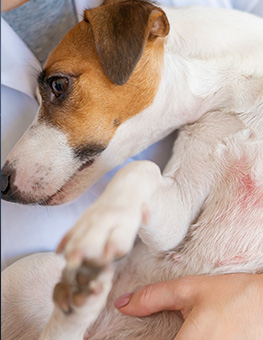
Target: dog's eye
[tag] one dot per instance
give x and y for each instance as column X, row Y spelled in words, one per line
column 59, row 85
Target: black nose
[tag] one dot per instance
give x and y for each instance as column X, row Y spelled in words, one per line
column 5, row 184
column 9, row 191
column 7, row 187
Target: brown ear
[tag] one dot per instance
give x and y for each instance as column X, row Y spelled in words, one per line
column 121, row 31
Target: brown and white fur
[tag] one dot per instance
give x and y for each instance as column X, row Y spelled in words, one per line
column 134, row 74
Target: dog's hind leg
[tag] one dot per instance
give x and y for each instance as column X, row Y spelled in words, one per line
column 26, row 295
column 79, row 298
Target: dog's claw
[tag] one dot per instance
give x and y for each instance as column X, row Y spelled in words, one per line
column 61, row 296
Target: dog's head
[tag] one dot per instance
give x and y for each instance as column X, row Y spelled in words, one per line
column 105, row 71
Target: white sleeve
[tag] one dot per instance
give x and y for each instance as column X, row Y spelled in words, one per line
column 184, row 3
column 18, row 64
column 252, row 6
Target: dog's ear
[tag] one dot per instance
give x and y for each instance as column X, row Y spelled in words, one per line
column 121, row 31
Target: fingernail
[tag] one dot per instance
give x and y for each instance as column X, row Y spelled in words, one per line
column 123, row 300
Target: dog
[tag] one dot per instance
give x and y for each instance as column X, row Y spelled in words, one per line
column 125, row 77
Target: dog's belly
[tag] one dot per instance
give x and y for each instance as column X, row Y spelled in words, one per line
column 136, row 270
column 142, row 268
column 228, row 241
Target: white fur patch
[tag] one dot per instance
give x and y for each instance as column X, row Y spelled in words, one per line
column 43, row 162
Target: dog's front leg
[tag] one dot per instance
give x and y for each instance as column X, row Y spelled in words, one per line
column 184, row 187
column 138, row 197
column 106, row 230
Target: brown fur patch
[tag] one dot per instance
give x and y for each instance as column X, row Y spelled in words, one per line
column 94, row 104
column 121, row 31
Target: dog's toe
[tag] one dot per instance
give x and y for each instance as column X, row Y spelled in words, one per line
column 61, row 297
column 81, row 283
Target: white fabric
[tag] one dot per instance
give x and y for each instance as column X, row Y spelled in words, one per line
column 184, row 3
column 252, row 6
column 18, row 64
column 27, row 229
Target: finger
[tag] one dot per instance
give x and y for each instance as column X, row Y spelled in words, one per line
column 169, row 295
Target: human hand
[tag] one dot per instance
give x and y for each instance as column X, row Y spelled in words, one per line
column 7, row 5
column 223, row 307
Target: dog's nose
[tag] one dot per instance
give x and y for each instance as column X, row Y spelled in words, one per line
column 9, row 191
column 5, row 185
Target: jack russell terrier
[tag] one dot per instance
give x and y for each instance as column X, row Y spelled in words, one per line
column 122, row 79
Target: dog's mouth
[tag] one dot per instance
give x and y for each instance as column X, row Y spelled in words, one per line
column 62, row 192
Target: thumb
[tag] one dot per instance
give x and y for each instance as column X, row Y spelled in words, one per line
column 169, row 295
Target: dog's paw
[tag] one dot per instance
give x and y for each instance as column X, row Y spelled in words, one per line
column 104, row 233
column 86, row 286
